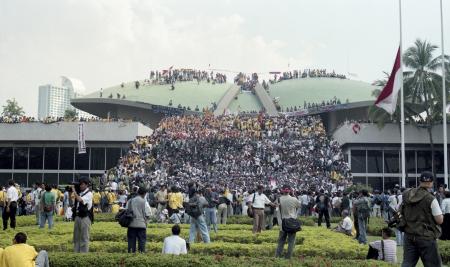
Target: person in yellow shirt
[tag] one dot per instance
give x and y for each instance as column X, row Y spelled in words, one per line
column 111, row 198
column 175, row 199
column 22, row 255
column 96, row 200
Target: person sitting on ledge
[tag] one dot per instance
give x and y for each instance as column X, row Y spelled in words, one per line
column 22, row 255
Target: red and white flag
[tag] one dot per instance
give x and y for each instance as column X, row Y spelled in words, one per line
column 387, row 99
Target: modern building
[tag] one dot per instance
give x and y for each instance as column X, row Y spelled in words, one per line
column 373, row 153
column 32, row 152
column 54, row 100
column 150, row 102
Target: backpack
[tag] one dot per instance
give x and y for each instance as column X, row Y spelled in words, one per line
column 378, row 201
column 193, row 208
column 322, row 205
column 47, row 208
column 363, row 208
column 125, row 216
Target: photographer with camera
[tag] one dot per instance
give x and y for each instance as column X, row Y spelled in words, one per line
column 82, row 213
column 420, row 217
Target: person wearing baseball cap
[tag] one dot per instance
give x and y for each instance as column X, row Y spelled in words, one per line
column 420, row 219
column 288, row 208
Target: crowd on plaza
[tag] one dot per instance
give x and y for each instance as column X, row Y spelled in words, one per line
column 203, row 169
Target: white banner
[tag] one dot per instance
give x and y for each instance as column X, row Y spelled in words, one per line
column 81, row 138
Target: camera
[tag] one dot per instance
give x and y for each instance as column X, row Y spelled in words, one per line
column 77, row 187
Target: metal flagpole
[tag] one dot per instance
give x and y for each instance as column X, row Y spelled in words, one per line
column 402, row 112
column 444, row 101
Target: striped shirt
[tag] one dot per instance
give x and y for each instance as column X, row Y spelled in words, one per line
column 390, row 250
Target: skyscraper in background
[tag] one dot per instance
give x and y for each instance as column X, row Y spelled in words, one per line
column 54, row 100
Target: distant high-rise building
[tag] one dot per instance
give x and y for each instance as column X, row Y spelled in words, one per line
column 54, row 100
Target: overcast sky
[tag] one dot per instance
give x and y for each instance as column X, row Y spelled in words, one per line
column 105, row 42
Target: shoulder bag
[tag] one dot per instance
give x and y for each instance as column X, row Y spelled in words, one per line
column 250, row 207
column 289, row 225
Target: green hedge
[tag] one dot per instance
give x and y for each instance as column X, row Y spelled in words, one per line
column 159, row 260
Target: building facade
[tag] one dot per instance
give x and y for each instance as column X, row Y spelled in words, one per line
column 37, row 152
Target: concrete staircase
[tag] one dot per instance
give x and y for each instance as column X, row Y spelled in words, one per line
column 266, row 100
column 226, row 99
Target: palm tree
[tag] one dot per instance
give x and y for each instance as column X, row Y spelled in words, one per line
column 425, row 84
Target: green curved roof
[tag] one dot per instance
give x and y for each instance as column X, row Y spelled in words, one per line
column 185, row 93
column 246, row 101
column 314, row 90
column 290, row 93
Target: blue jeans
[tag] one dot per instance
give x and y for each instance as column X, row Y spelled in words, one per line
column 201, row 225
column 211, row 218
column 399, row 235
column 362, row 226
column 46, row 216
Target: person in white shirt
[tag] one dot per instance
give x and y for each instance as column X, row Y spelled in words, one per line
column 346, row 225
column 174, row 244
column 12, row 196
column 445, row 226
column 37, row 201
column 258, row 202
column 82, row 225
column 387, row 248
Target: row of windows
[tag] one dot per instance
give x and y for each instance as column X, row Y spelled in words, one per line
column 388, row 183
column 29, row 179
column 58, row 158
column 388, row 161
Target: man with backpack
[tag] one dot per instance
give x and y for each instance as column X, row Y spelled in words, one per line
column 47, row 205
column 83, row 216
column 376, row 204
column 137, row 229
column 322, row 205
column 420, row 219
column 362, row 208
column 194, row 209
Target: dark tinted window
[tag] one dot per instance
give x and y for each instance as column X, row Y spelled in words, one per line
column 21, row 179
column 66, row 158
column 411, row 182
column 21, row 158
column 36, row 158
column 6, row 157
column 390, row 182
column 34, row 177
column 359, row 180
column 112, row 156
column 97, row 158
column 391, row 161
column 82, row 160
column 65, row 178
column 439, row 161
column 410, row 161
column 358, row 161
column 423, row 161
column 4, row 178
column 375, row 182
column 51, row 178
column 51, row 158
column 375, row 161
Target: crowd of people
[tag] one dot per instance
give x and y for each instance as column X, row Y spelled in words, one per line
column 246, row 82
column 306, row 73
column 48, row 120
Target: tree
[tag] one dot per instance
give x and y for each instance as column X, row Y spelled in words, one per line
column 12, row 108
column 426, row 85
column 70, row 114
column 422, row 91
